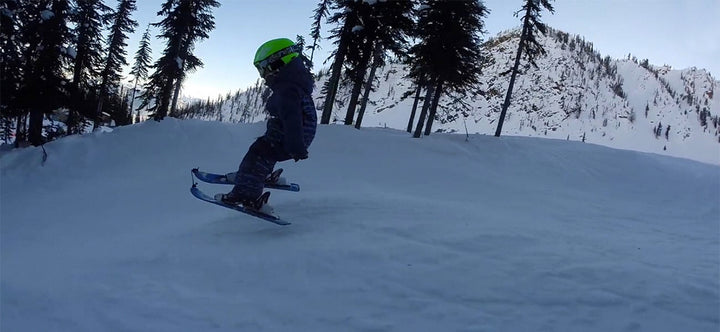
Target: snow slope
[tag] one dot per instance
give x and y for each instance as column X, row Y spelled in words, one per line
column 389, row 233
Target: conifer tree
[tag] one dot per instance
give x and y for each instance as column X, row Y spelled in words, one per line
column 45, row 34
column 122, row 25
column 448, row 57
column 11, row 63
column 342, row 34
column 321, row 11
column 89, row 18
column 140, row 68
column 385, row 28
column 368, row 27
column 418, row 90
column 528, row 45
column 376, row 62
column 359, row 53
column 184, row 23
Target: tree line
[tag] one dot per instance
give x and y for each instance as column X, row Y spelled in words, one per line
column 61, row 63
column 62, row 59
column 439, row 41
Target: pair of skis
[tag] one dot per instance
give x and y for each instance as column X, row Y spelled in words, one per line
column 272, row 183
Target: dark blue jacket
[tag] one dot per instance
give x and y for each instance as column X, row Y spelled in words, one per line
column 293, row 119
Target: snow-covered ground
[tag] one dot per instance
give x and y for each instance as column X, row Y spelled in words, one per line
column 389, row 233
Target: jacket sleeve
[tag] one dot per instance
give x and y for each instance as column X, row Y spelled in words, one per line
column 289, row 103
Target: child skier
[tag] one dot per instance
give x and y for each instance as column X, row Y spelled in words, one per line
column 290, row 128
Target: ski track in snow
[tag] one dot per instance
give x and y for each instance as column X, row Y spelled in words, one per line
column 389, row 233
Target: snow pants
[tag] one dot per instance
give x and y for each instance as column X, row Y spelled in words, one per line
column 267, row 150
column 257, row 164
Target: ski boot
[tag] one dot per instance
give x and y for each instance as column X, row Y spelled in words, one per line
column 273, row 179
column 258, row 204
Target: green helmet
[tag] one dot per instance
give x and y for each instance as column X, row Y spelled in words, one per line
column 274, row 54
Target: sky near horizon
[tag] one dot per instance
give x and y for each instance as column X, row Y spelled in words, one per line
column 673, row 32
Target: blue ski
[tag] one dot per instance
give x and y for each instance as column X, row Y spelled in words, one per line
column 222, row 179
column 201, row 195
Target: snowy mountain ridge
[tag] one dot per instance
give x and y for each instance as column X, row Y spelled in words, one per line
column 574, row 94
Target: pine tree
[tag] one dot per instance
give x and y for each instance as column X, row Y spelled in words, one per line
column 122, row 25
column 45, row 34
column 418, row 90
column 376, row 62
column 320, row 12
column 393, row 23
column 447, row 58
column 359, row 53
column 529, row 44
column 89, row 18
column 184, row 23
column 345, row 13
column 300, row 41
column 140, row 68
column 380, row 26
column 11, row 63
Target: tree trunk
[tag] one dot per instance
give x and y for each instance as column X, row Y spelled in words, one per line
column 98, row 111
column 19, row 130
column 377, row 56
column 414, row 108
column 132, row 102
column 182, row 51
column 312, row 53
column 354, row 96
column 101, row 100
column 70, row 122
column 122, row 113
column 98, row 114
column 163, row 100
column 77, row 96
column 423, row 113
column 506, row 103
column 176, row 93
column 433, row 108
column 358, row 84
column 334, row 80
column 35, row 127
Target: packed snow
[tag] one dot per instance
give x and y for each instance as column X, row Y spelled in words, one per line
column 389, row 233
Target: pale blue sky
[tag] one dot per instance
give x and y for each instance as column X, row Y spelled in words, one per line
column 680, row 33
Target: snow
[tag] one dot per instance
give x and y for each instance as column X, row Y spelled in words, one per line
column 389, row 233
column 357, row 28
column 71, row 52
column 543, row 99
column 46, row 15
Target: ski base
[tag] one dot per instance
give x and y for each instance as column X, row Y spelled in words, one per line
column 202, row 196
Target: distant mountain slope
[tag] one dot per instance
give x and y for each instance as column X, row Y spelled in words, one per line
column 575, row 93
